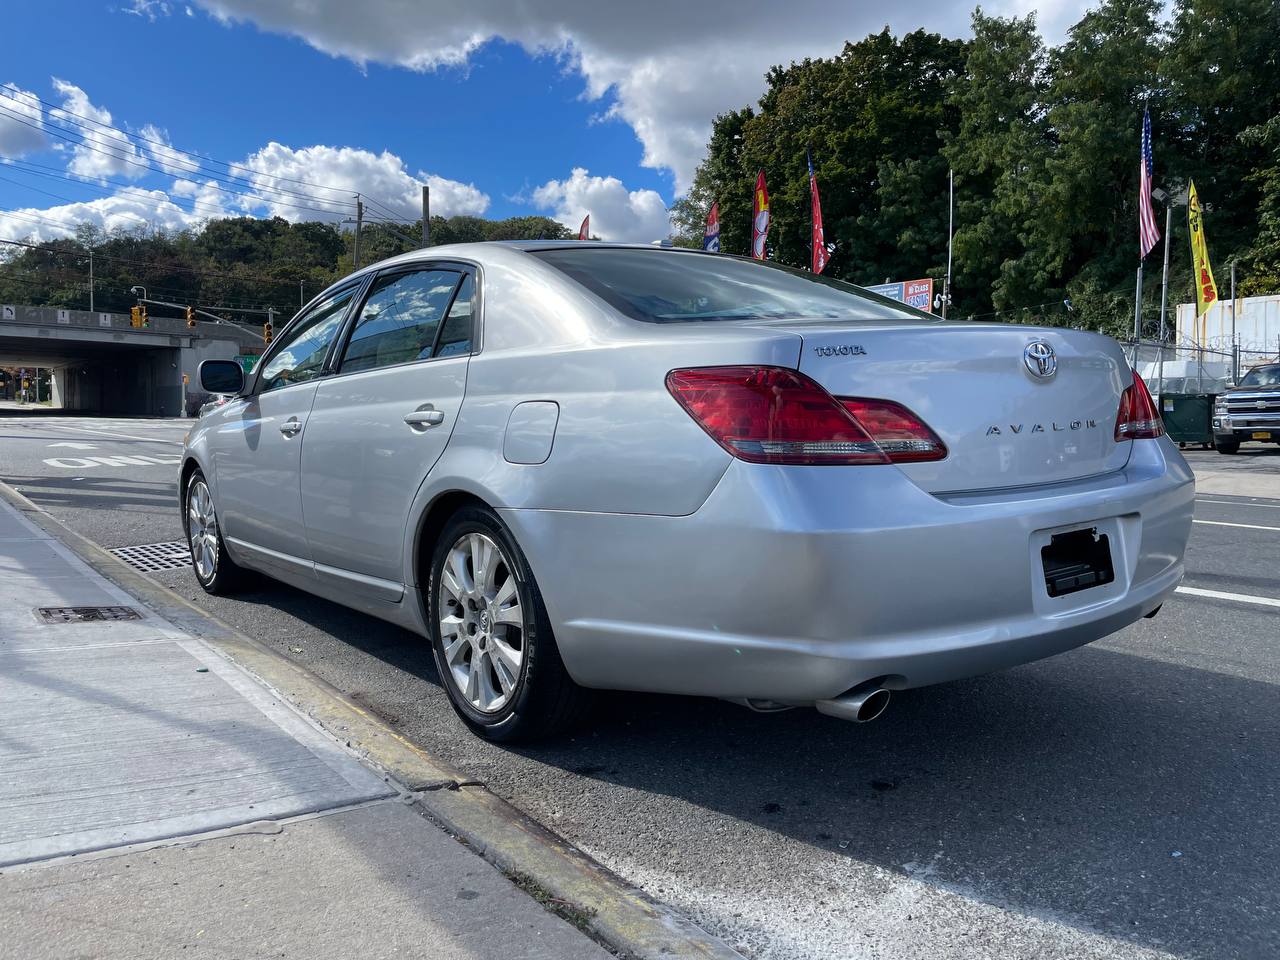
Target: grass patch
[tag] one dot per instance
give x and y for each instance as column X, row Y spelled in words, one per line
column 580, row 917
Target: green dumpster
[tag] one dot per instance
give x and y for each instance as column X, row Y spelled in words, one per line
column 1188, row 417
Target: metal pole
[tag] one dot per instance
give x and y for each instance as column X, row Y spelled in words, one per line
column 91, row 279
column 1164, row 278
column 426, row 215
column 302, row 299
column 951, row 217
column 1235, row 347
column 1137, row 314
column 355, row 253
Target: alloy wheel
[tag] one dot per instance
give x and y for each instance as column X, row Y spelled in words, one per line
column 202, row 530
column 481, row 622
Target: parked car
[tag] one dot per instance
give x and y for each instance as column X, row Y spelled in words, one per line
column 1248, row 411
column 577, row 467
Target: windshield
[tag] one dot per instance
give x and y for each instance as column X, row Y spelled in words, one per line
column 672, row 286
column 1261, row 377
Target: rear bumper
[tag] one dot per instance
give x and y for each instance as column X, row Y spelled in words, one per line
column 797, row 583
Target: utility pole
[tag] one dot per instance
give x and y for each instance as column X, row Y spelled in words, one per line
column 426, row 215
column 302, row 300
column 1235, row 347
column 355, row 254
column 91, row 279
column 951, row 216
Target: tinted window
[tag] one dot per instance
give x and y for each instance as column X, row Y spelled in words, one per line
column 455, row 338
column 398, row 321
column 302, row 349
column 1262, row 377
column 669, row 286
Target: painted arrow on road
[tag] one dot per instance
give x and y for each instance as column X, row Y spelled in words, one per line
column 76, row 446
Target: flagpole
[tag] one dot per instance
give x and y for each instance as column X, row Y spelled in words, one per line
column 951, row 216
column 1137, row 313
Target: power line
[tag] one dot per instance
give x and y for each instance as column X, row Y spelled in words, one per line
column 254, row 193
column 253, row 181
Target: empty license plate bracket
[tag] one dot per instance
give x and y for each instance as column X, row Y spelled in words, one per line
column 1076, row 561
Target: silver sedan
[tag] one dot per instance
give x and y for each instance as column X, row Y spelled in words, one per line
column 582, row 466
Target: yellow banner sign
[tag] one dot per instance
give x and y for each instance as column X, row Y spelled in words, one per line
column 1206, row 289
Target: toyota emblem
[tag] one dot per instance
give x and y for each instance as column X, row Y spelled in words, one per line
column 1040, row 360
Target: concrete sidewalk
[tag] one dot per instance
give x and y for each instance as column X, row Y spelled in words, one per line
column 156, row 798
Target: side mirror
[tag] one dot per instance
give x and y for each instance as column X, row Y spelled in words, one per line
column 221, row 376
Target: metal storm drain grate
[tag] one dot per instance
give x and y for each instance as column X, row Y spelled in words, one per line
column 85, row 614
column 150, row 557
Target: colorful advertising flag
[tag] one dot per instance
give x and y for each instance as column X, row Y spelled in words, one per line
column 819, row 243
column 711, row 236
column 1206, row 289
column 759, row 218
column 1148, row 233
column 584, row 231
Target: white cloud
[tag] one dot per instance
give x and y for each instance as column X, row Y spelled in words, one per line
column 672, row 65
column 16, row 136
column 163, row 156
column 616, row 212
column 105, row 151
column 130, row 208
column 285, row 179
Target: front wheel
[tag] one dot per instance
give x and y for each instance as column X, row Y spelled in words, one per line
column 491, row 636
column 1226, row 446
column 213, row 567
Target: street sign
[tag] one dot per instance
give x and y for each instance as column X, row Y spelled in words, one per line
column 247, row 361
column 9, row 312
column 914, row 293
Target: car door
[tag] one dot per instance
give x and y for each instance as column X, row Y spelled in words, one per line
column 382, row 420
column 258, row 441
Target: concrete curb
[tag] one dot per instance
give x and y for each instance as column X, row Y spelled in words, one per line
column 621, row 916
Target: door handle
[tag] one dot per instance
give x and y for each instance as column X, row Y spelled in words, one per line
column 424, row 417
column 291, row 426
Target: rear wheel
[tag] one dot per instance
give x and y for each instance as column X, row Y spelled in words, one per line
column 491, row 636
column 213, row 567
column 1226, row 446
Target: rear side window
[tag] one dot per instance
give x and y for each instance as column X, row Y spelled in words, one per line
column 400, row 319
column 671, row 286
column 455, row 338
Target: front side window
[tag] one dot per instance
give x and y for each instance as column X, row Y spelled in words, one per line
column 300, row 356
column 671, row 286
column 400, row 318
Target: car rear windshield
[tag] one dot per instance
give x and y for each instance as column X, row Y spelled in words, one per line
column 673, row 286
column 1261, row 377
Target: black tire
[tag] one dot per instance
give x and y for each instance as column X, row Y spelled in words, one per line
column 543, row 700
column 226, row 576
column 1229, row 447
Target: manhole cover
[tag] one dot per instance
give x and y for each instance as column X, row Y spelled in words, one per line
column 85, row 614
column 150, row 557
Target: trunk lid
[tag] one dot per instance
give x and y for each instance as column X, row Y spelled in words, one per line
column 973, row 384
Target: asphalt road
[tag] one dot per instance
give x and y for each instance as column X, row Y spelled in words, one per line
column 1121, row 800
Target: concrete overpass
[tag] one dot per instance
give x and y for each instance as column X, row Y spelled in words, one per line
column 101, row 363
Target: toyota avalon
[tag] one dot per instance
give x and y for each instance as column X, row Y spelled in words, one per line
column 578, row 466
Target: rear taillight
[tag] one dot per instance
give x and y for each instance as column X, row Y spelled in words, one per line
column 1138, row 418
column 778, row 415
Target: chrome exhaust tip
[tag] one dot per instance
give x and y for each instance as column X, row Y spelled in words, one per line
column 862, row 704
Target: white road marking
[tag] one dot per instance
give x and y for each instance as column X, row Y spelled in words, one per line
column 1237, row 597
column 1240, row 503
column 120, row 460
column 1246, row 526
column 117, row 436
column 75, row 446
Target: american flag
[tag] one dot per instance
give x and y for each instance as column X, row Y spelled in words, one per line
column 1148, row 233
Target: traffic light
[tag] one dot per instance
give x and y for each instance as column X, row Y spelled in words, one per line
column 135, row 316
column 266, row 333
column 146, row 321
column 191, row 317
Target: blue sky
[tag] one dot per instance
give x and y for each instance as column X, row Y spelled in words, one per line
column 561, row 107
